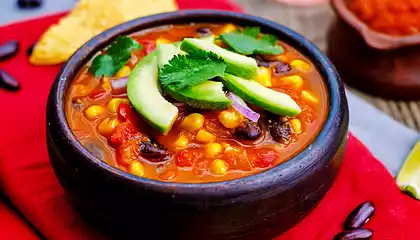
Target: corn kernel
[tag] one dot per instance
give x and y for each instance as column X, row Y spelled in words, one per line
column 300, row 65
column 309, row 97
column 181, row 142
column 193, row 122
column 107, row 126
column 123, row 72
column 113, row 104
column 106, row 83
column 162, row 40
column 230, row 119
column 93, row 112
column 136, row 168
column 204, row 136
column 293, row 80
column 228, row 28
column 219, row 167
column 213, row 149
column 263, row 76
column 296, row 125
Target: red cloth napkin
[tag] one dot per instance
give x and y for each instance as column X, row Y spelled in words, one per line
column 12, row 226
column 28, row 180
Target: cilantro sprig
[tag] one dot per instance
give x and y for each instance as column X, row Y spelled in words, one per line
column 117, row 55
column 247, row 42
column 192, row 69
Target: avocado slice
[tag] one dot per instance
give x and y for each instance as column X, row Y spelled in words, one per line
column 238, row 65
column 265, row 98
column 206, row 95
column 144, row 93
column 209, row 38
column 167, row 51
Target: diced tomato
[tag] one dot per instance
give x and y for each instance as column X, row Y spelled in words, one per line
column 186, row 158
column 148, row 45
column 123, row 132
column 97, row 93
column 127, row 152
column 264, row 157
column 126, row 113
column 238, row 159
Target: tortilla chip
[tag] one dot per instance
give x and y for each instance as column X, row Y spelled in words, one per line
column 87, row 19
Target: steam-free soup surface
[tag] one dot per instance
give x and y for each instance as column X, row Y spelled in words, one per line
column 202, row 145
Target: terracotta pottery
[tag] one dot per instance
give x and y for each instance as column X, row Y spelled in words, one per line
column 379, row 64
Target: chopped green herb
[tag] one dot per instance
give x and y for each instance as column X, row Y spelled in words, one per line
column 191, row 69
column 115, row 58
column 102, row 65
column 246, row 42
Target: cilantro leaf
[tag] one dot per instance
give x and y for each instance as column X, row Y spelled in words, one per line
column 123, row 45
column 115, row 58
column 192, row 69
column 247, row 42
column 102, row 65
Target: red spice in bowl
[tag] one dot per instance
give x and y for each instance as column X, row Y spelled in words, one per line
column 384, row 24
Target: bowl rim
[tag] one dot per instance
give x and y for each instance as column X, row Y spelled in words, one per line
column 375, row 39
column 337, row 114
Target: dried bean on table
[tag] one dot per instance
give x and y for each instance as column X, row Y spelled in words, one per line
column 355, row 234
column 8, row 82
column 359, row 216
column 8, row 49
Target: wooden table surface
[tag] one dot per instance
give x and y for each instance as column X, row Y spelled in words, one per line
column 313, row 23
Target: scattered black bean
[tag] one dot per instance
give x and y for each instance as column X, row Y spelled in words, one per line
column 280, row 130
column 262, row 63
column 9, row 49
column 29, row 3
column 359, row 215
column 355, row 234
column 8, row 82
column 30, row 50
column 249, row 131
column 281, row 67
column 154, row 152
column 204, row 32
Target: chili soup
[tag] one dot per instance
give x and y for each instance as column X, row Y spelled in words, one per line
column 197, row 103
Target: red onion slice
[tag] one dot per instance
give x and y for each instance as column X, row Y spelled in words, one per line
column 241, row 107
column 179, row 104
column 119, row 86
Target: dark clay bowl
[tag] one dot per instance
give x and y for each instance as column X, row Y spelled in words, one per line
column 255, row 207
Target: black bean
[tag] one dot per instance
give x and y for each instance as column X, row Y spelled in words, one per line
column 280, row 130
column 204, row 32
column 281, row 67
column 262, row 63
column 359, row 215
column 153, row 151
column 8, row 82
column 30, row 50
column 29, row 3
column 249, row 131
column 9, row 49
column 355, row 234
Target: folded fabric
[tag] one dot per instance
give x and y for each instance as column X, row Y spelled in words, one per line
column 12, row 226
column 27, row 177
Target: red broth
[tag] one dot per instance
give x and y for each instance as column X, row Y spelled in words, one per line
column 188, row 159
